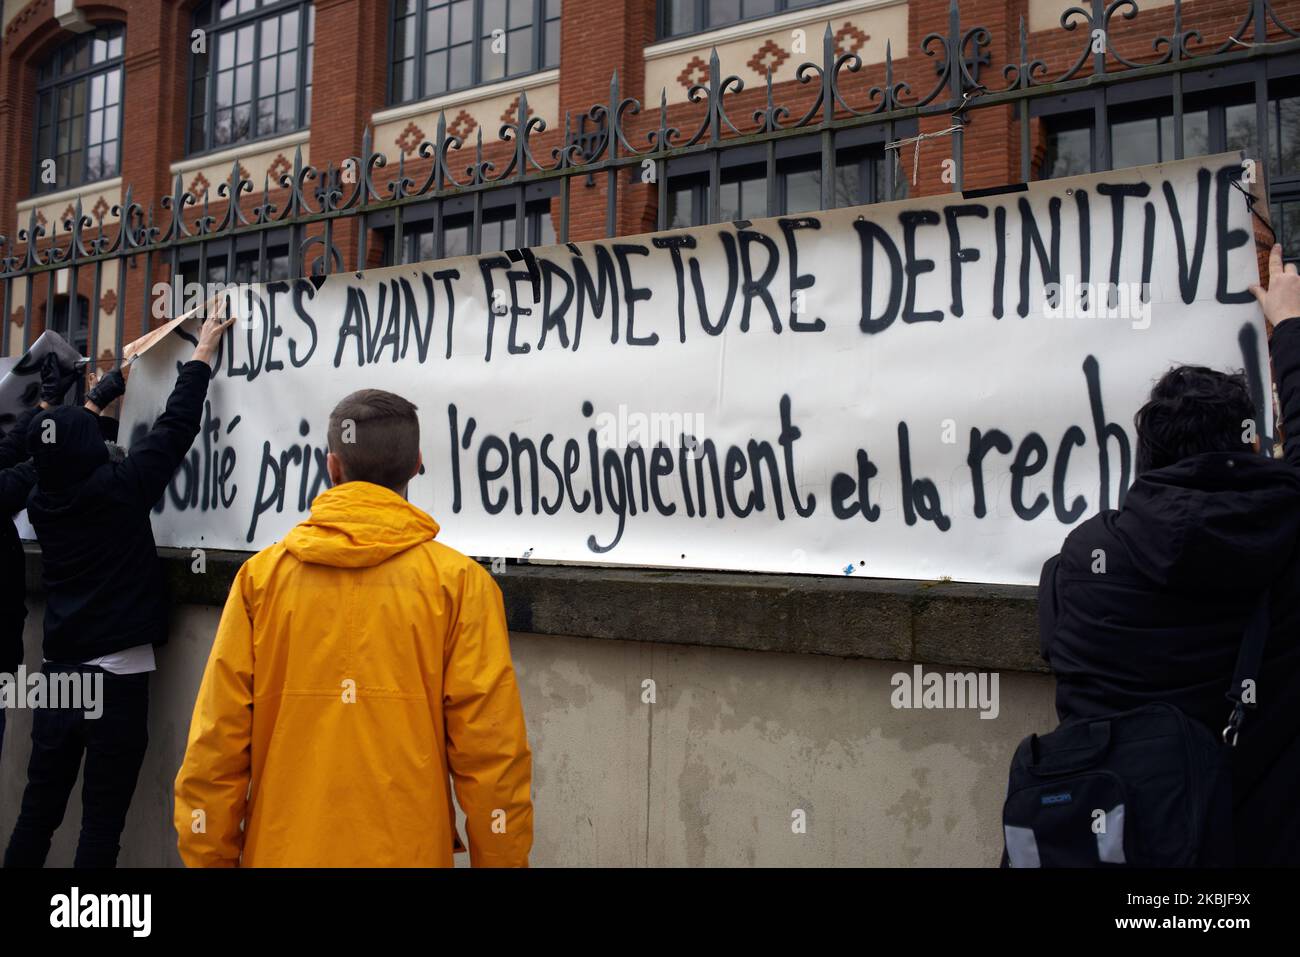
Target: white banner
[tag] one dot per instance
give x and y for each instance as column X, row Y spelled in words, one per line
column 939, row 387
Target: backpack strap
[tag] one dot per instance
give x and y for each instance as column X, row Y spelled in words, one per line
column 1249, row 659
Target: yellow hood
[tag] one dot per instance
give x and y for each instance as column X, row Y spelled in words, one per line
column 359, row 525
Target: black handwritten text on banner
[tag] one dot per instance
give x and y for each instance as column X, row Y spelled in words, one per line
column 935, row 387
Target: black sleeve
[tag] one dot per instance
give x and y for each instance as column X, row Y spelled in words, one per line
column 1285, row 350
column 15, row 485
column 1047, row 606
column 13, row 447
column 151, row 462
column 108, row 427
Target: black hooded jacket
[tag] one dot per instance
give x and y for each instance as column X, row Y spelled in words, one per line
column 16, row 479
column 1186, row 560
column 104, row 584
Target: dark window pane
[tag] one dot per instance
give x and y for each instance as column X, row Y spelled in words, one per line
column 1288, row 136
column 1286, row 221
column 1069, row 152
column 404, row 80
column 802, row 192
column 1239, row 124
column 455, row 241
column 1134, row 143
column 681, row 207
column 729, row 197
column 1196, row 134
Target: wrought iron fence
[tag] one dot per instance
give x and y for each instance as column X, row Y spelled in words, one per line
column 621, row 136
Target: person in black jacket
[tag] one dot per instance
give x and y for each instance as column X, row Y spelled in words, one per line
column 105, row 608
column 1151, row 602
column 16, row 480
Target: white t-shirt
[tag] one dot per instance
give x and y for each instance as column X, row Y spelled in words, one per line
column 129, row 661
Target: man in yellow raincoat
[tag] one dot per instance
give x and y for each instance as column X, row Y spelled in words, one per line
column 360, row 665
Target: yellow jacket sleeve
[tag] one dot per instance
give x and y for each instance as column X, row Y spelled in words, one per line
column 487, row 742
column 212, row 784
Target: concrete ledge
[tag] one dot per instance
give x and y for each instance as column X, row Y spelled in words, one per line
column 982, row 626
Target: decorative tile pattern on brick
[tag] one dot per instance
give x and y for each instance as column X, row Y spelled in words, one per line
column 409, row 140
column 695, row 71
column 856, row 38
column 463, row 125
column 769, row 56
column 279, row 166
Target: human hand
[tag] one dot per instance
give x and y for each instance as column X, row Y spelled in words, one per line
column 1281, row 301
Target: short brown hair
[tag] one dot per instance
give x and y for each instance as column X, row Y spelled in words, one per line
column 376, row 436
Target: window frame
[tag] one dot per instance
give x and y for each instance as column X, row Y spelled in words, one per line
column 539, row 25
column 58, row 82
column 862, row 147
column 432, row 216
column 215, row 27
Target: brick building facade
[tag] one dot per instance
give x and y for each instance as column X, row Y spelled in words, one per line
column 203, row 91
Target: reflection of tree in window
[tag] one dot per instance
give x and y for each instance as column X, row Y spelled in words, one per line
column 246, row 84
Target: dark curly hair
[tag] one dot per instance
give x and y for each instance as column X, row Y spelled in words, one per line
column 1192, row 410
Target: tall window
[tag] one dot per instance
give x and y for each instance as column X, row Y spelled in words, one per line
column 680, row 17
column 443, row 45
column 253, row 78
column 79, row 111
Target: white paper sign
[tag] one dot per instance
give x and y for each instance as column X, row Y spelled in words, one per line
column 943, row 386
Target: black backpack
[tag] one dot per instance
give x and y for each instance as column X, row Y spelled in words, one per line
column 1149, row 787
